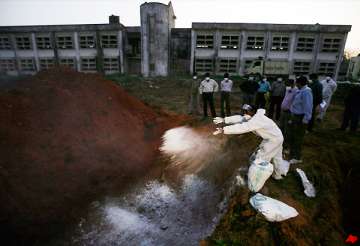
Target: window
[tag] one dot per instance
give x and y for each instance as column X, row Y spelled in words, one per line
column 46, row 63
column 255, row 43
column 228, row 65
column 280, row 43
column 111, row 64
column 205, row 41
column 88, row 64
column 326, row 68
column 109, row 41
column 230, row 42
column 87, row 41
column 27, row 65
column 43, row 42
column 331, row 45
column 204, row 65
column 5, row 43
column 305, row 44
column 7, row 64
column 23, row 42
column 69, row 62
column 301, row 68
column 64, row 42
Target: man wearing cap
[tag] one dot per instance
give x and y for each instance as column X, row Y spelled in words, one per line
column 270, row 148
column 206, row 89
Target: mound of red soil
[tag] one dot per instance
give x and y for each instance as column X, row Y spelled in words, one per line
column 66, row 137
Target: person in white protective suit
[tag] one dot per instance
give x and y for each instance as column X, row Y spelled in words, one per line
column 270, row 148
column 329, row 87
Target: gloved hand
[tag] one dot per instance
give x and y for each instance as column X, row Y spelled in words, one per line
column 218, row 131
column 218, row 120
column 304, row 121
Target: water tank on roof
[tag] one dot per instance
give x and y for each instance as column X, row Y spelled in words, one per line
column 157, row 19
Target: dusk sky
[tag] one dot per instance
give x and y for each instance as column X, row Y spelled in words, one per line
column 48, row 12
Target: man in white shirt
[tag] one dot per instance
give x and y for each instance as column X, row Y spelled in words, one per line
column 226, row 87
column 329, row 87
column 206, row 89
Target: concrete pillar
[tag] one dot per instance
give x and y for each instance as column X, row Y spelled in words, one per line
column 77, row 51
column 316, row 52
column 242, row 51
column 340, row 56
column 291, row 51
column 121, row 51
column 35, row 52
column 99, row 54
column 217, row 44
column 238, row 63
column 17, row 60
column 54, row 46
column 193, row 50
column 267, row 46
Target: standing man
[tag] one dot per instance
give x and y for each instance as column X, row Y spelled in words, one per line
column 226, row 87
column 352, row 110
column 291, row 91
column 317, row 90
column 278, row 89
column 301, row 111
column 248, row 89
column 264, row 87
column 194, row 104
column 329, row 87
column 206, row 89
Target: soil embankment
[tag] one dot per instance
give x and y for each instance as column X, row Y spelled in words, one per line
column 65, row 138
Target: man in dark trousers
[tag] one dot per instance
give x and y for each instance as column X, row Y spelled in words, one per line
column 226, row 88
column 352, row 109
column 316, row 88
column 249, row 88
column 278, row 89
column 301, row 112
column 206, row 89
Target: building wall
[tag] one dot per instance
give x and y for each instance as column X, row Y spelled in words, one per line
column 166, row 49
column 320, row 61
column 180, row 47
column 56, row 53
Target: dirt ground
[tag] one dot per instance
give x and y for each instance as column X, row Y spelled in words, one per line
column 65, row 138
column 331, row 162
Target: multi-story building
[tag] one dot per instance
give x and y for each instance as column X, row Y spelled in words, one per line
column 157, row 48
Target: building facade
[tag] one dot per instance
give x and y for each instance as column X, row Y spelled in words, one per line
column 157, row 48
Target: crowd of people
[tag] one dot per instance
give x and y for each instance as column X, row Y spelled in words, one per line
column 294, row 105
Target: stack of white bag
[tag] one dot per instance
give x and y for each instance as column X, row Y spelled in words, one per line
column 258, row 173
column 272, row 209
column 309, row 189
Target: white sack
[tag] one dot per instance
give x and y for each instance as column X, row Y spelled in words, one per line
column 272, row 209
column 309, row 189
column 258, row 173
